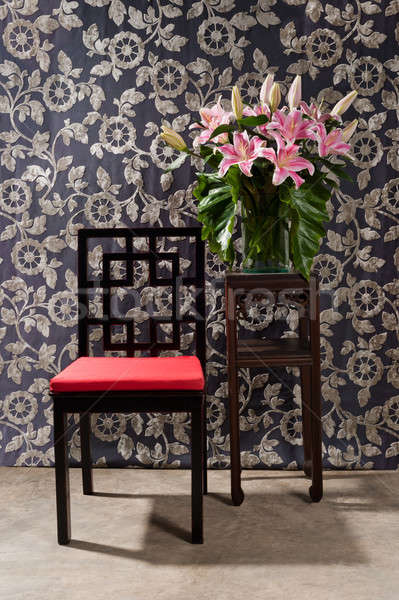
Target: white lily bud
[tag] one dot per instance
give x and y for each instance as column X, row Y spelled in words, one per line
column 344, row 104
column 172, row 138
column 294, row 93
column 274, row 97
column 265, row 89
column 236, row 103
column 349, row 130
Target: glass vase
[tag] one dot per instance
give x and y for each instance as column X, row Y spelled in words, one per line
column 265, row 231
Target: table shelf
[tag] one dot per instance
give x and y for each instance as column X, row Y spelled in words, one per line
column 277, row 352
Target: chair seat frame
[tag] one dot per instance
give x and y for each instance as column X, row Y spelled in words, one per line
column 87, row 403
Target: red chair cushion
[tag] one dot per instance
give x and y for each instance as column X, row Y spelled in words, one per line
column 92, row 374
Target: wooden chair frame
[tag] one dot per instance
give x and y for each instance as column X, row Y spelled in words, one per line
column 162, row 401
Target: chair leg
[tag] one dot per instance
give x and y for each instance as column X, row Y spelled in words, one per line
column 205, row 450
column 197, row 473
column 316, row 490
column 87, row 476
column 62, row 475
column 306, row 418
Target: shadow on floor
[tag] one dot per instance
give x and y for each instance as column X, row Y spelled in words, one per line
column 265, row 529
column 247, row 475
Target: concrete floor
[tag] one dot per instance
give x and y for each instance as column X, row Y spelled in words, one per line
column 129, row 541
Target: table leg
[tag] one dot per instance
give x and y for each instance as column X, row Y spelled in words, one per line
column 237, row 494
column 316, row 490
column 306, row 419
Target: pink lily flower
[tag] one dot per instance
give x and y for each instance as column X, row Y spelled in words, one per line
column 331, row 143
column 292, row 126
column 242, row 152
column 262, row 109
column 313, row 111
column 211, row 118
column 286, row 161
column 248, row 112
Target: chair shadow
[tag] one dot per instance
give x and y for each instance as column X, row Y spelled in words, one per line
column 266, row 529
column 118, row 495
column 223, row 498
column 102, row 549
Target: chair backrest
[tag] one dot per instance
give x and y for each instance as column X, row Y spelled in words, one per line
column 165, row 270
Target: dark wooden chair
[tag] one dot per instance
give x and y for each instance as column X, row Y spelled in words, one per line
column 163, row 384
column 303, row 352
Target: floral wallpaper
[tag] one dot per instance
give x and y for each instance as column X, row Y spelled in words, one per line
column 84, row 88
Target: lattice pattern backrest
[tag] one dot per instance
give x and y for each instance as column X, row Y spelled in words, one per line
column 163, row 270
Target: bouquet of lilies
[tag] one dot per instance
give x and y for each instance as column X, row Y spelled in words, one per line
column 262, row 153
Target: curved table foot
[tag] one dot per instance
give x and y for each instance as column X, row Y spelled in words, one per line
column 237, row 497
column 315, row 494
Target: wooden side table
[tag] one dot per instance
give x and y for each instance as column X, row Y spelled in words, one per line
column 303, row 352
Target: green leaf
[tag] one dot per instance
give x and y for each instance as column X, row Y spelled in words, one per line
column 217, row 207
column 210, row 157
column 336, row 169
column 253, row 121
column 205, row 151
column 284, row 193
column 213, row 198
column 308, row 213
column 233, row 178
column 221, row 129
column 176, row 163
column 331, row 183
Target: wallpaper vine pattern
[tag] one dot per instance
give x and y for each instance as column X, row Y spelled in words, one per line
column 84, row 89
